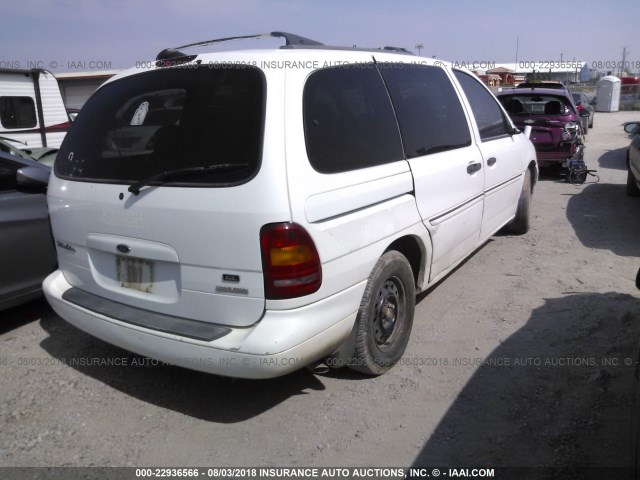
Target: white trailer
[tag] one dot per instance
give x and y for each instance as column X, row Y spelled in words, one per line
column 32, row 112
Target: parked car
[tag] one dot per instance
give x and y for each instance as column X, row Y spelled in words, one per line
column 42, row 155
column 555, row 123
column 583, row 103
column 27, row 253
column 633, row 159
column 248, row 213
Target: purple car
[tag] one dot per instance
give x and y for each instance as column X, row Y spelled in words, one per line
column 554, row 120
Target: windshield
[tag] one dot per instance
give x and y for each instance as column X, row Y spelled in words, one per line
column 536, row 105
column 145, row 124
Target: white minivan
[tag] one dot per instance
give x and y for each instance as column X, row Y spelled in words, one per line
column 248, row 213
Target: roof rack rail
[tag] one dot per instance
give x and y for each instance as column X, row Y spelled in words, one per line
column 291, row 40
column 174, row 56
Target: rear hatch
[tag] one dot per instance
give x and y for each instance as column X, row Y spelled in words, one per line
column 154, row 202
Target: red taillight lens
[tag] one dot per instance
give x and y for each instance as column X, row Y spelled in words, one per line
column 580, row 108
column 290, row 261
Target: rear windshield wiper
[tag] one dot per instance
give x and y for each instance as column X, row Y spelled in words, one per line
column 178, row 172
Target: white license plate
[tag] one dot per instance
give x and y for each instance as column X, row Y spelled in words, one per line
column 135, row 273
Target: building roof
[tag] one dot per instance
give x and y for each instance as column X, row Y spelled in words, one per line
column 565, row 66
column 86, row 75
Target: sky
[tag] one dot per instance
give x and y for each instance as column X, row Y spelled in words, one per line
column 85, row 35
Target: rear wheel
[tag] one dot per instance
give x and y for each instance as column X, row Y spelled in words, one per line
column 520, row 224
column 385, row 316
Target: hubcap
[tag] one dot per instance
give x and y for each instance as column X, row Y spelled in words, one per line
column 387, row 312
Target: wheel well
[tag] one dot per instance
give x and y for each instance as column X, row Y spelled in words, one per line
column 413, row 252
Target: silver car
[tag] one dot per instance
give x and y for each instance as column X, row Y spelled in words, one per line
column 27, row 253
column 633, row 159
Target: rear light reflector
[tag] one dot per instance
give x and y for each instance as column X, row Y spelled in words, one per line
column 290, row 261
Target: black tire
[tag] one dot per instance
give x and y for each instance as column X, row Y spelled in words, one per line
column 385, row 316
column 592, row 120
column 632, row 187
column 520, row 224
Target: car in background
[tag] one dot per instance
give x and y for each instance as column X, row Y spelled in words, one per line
column 42, row 155
column 27, row 252
column 555, row 122
column 583, row 103
column 633, row 159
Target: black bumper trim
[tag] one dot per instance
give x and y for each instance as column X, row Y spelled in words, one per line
column 183, row 327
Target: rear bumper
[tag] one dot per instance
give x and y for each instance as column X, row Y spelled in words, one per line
column 281, row 342
column 562, row 154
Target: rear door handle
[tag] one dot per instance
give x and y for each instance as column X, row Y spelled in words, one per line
column 492, row 161
column 473, row 167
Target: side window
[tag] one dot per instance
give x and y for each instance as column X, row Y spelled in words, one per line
column 491, row 123
column 17, row 112
column 348, row 120
column 429, row 112
column 8, row 176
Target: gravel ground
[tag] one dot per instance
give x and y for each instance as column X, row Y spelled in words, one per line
column 525, row 356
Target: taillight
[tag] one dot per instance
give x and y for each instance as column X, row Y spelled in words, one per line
column 290, row 261
column 580, row 108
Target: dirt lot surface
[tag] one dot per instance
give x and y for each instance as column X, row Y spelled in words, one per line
column 525, row 356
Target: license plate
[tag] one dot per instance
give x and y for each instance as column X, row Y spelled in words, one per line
column 135, row 273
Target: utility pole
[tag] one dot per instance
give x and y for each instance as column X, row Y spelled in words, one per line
column 419, row 46
column 516, row 65
column 624, row 59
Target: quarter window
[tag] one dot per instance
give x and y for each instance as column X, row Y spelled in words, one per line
column 348, row 120
column 429, row 112
column 488, row 114
column 17, row 112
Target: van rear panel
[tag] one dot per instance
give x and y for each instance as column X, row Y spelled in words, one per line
column 186, row 241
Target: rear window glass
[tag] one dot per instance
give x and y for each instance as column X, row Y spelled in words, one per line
column 171, row 119
column 536, row 104
column 348, row 120
column 17, row 112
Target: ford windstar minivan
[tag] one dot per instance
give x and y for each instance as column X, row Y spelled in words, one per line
column 251, row 212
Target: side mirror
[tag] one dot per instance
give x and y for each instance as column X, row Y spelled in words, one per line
column 593, row 101
column 632, row 128
column 33, row 177
column 638, row 280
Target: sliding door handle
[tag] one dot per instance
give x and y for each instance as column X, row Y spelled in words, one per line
column 473, row 167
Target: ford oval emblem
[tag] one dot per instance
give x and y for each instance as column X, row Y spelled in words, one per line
column 123, row 248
